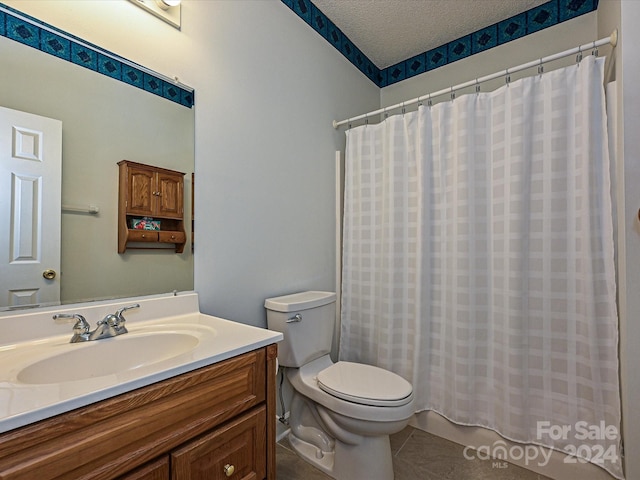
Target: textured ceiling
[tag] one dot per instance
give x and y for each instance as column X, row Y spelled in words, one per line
column 389, row 31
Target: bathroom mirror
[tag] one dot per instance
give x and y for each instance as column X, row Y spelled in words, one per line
column 104, row 121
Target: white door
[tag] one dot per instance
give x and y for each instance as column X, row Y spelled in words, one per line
column 30, row 187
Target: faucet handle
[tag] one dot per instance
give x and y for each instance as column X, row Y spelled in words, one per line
column 81, row 323
column 80, row 328
column 119, row 313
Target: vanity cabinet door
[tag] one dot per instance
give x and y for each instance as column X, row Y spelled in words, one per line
column 156, row 470
column 237, row 450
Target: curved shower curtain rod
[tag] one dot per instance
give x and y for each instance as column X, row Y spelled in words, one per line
column 611, row 39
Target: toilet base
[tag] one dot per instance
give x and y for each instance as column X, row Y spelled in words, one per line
column 369, row 460
column 322, row 460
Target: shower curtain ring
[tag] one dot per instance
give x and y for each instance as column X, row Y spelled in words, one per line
column 403, row 109
column 477, row 86
column 507, row 77
column 453, row 94
column 429, row 101
column 594, row 49
column 579, row 56
column 540, row 68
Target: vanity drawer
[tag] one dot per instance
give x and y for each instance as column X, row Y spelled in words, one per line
column 237, row 450
column 172, row 237
column 112, row 437
column 142, row 236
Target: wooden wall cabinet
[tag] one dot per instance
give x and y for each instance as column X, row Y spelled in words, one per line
column 148, row 191
column 217, row 422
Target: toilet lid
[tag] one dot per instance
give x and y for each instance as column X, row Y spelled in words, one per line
column 365, row 384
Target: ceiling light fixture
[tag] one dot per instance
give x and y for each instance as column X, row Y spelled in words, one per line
column 167, row 4
column 166, row 10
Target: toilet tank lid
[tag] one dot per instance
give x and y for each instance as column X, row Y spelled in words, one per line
column 299, row 301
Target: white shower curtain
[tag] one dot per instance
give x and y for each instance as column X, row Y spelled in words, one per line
column 478, row 260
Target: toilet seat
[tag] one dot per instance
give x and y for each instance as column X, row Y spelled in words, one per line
column 365, row 385
column 304, row 380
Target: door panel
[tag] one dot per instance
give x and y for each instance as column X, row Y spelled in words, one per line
column 30, row 188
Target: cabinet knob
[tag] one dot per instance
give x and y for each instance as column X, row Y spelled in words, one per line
column 229, row 469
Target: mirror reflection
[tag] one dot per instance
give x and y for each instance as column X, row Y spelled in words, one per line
column 104, row 121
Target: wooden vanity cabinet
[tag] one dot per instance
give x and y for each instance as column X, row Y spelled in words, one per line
column 148, row 191
column 156, row 470
column 217, row 422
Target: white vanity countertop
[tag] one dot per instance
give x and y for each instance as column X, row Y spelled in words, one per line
column 203, row 340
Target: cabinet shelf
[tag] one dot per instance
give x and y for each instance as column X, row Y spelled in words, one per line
column 153, row 192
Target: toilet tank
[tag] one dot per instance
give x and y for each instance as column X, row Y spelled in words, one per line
column 306, row 320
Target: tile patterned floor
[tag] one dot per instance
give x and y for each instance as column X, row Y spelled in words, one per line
column 417, row 455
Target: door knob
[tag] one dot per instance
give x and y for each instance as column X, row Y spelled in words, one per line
column 49, row 274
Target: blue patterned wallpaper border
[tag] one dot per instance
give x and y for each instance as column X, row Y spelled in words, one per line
column 30, row 31
column 536, row 19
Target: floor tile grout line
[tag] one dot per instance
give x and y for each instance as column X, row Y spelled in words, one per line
column 403, row 444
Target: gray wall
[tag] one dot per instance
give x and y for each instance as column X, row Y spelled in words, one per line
column 265, row 219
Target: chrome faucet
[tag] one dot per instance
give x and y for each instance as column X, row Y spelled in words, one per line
column 110, row 326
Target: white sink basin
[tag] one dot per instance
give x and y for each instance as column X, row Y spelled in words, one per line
column 82, row 361
column 42, row 374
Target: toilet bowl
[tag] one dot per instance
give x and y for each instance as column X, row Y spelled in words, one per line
column 341, row 414
column 355, row 444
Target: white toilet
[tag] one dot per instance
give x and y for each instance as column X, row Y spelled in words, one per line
column 341, row 414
